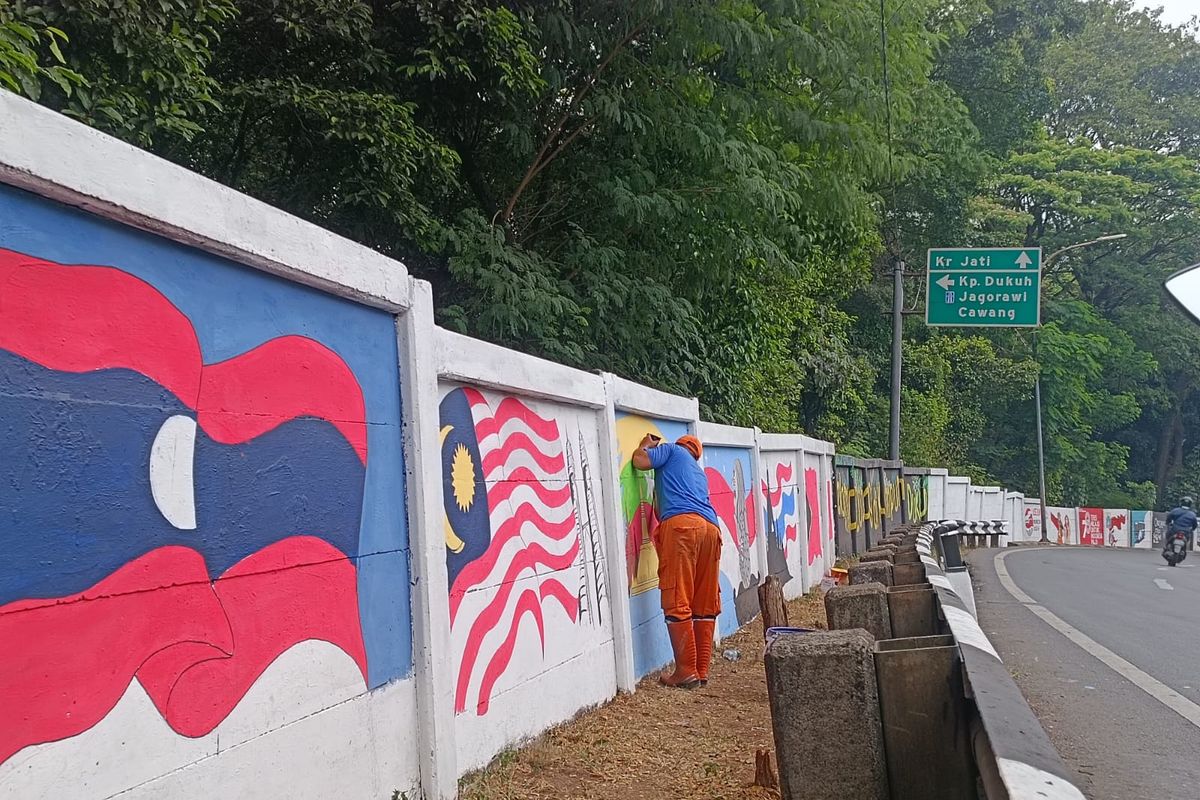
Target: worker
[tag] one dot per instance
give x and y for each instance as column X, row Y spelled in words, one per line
column 689, row 554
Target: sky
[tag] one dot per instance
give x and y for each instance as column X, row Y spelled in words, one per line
column 1176, row 11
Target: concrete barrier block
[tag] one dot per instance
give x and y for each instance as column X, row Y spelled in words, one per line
column 913, row 611
column 863, row 605
column 907, row 557
column 879, row 571
column 878, row 554
column 825, row 715
column 905, row 574
column 924, row 717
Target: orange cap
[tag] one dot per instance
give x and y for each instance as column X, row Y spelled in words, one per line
column 691, row 444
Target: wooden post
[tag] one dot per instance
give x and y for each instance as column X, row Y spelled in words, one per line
column 770, row 601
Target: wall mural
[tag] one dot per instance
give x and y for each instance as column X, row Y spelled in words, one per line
column 729, row 487
column 915, row 493
column 782, row 515
column 1158, row 531
column 1116, row 527
column 1142, row 523
column 188, row 446
column 812, row 503
column 1063, row 525
column 1091, row 527
column 523, row 536
column 651, row 647
column 1032, row 525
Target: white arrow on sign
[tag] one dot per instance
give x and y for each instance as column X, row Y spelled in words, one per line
column 945, row 282
column 1024, row 260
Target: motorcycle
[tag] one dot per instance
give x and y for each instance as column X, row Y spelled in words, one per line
column 1176, row 549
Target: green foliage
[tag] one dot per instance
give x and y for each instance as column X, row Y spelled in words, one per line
column 705, row 196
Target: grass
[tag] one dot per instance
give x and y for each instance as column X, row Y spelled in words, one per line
column 657, row 743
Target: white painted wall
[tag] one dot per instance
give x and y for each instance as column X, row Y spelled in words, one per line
column 937, row 494
column 957, row 492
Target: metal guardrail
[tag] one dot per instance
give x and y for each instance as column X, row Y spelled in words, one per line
column 1013, row 754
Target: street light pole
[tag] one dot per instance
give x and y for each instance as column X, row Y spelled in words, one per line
column 1037, row 384
column 1037, row 399
column 897, row 355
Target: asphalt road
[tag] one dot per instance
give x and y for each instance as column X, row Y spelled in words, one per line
column 1122, row 742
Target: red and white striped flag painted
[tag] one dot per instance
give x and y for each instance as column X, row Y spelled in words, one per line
column 534, row 539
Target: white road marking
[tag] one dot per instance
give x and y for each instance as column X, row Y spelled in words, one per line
column 1155, row 688
column 1162, row 584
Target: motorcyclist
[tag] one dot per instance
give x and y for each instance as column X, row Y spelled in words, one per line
column 1181, row 518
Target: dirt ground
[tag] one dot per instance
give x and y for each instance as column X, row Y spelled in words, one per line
column 657, row 743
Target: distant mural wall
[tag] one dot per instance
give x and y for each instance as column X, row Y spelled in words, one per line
column 525, row 564
column 869, row 501
column 1063, row 527
column 201, row 506
column 1141, row 528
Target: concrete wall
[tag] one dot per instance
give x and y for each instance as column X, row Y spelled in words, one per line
column 871, row 499
column 795, row 492
column 268, row 531
column 958, row 492
column 526, row 545
column 206, row 573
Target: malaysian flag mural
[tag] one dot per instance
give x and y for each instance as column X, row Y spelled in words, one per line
column 522, row 537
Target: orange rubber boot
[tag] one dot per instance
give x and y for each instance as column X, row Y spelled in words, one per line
column 702, row 630
column 683, row 642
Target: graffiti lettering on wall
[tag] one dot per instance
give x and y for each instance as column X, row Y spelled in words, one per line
column 182, row 487
column 868, row 505
column 916, row 494
column 782, row 518
column 522, row 536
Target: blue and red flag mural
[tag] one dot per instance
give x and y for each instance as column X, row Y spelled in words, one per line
column 522, row 535
column 185, row 491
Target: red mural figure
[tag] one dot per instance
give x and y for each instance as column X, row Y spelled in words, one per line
column 812, row 497
column 162, row 519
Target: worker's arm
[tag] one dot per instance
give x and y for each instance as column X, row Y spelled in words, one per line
column 641, row 456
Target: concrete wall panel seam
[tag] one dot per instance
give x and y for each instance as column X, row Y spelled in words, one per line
column 431, row 619
column 615, row 526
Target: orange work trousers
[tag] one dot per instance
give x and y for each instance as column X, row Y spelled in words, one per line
column 689, row 567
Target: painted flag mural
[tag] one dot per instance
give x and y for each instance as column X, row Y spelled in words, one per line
column 782, row 516
column 181, row 503
column 517, row 495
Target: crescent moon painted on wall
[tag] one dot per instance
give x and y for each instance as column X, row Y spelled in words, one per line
column 171, row 471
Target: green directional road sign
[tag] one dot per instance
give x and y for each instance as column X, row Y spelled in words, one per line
column 986, row 287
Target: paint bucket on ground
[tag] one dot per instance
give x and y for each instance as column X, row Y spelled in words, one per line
column 775, row 632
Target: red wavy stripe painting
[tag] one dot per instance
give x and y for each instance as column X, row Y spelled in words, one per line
column 529, row 603
column 108, row 319
column 207, row 640
column 531, row 504
column 721, row 495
